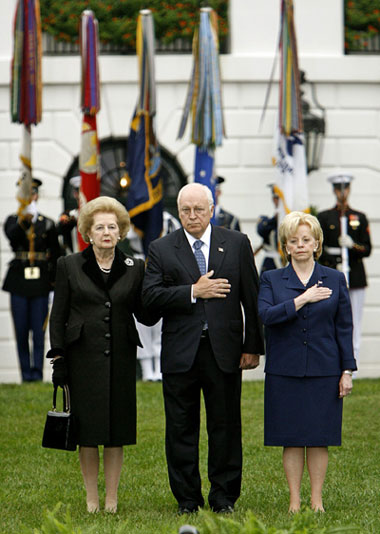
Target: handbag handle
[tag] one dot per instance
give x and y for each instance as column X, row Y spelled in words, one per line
column 65, row 399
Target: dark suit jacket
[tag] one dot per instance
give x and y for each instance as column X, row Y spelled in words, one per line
column 172, row 269
column 313, row 341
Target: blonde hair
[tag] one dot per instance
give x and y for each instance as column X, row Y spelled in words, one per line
column 289, row 227
column 102, row 205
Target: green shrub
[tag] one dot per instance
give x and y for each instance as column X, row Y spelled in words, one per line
column 303, row 523
column 117, row 20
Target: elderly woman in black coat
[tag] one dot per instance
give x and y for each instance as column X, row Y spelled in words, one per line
column 93, row 342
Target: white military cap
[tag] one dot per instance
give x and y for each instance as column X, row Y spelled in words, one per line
column 75, row 182
column 340, row 178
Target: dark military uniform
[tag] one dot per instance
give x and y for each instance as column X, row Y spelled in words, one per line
column 67, row 231
column 226, row 219
column 358, row 229
column 29, row 280
column 267, row 229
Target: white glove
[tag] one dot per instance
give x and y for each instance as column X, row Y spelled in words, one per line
column 32, row 210
column 346, row 241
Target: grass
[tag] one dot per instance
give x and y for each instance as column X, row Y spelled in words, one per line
column 33, row 479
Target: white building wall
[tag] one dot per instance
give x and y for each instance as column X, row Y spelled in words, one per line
column 347, row 86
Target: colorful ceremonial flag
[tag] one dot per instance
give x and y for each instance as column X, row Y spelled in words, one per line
column 26, row 87
column 289, row 153
column 144, row 198
column 89, row 157
column 204, row 99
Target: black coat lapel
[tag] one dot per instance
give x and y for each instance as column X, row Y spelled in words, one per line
column 218, row 249
column 186, row 256
column 91, row 269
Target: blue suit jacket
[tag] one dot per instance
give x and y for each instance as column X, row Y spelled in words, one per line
column 313, row 341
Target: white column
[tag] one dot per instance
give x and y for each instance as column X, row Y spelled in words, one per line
column 254, row 27
column 8, row 8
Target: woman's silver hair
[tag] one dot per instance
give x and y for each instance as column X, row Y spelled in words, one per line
column 289, row 227
column 200, row 187
column 102, row 205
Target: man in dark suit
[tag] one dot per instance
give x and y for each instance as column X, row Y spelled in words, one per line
column 198, row 278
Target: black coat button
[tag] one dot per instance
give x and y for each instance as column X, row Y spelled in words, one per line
column 107, row 304
column 106, row 319
column 305, row 342
column 108, row 335
column 303, row 329
column 107, row 352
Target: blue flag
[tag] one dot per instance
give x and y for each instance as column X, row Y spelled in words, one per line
column 204, row 170
column 144, row 200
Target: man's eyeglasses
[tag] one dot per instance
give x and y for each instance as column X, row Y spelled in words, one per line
column 197, row 210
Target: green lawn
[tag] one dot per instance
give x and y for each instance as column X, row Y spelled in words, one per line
column 33, row 479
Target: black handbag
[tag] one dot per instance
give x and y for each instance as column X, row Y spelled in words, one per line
column 60, row 427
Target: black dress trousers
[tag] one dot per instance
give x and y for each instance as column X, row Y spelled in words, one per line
column 222, row 393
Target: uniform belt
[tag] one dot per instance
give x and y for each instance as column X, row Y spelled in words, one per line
column 334, row 251
column 27, row 255
column 204, row 334
column 271, row 254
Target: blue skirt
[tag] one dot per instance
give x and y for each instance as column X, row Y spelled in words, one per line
column 302, row 411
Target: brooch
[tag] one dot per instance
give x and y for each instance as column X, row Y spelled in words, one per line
column 129, row 262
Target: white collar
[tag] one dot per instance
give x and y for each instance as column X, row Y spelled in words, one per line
column 205, row 238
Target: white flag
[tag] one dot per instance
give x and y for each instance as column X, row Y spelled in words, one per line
column 291, row 173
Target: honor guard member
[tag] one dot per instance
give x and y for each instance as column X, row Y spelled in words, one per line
column 67, row 224
column 267, row 229
column 356, row 240
column 30, row 277
column 222, row 217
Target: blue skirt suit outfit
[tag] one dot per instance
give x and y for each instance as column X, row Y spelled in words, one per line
column 306, row 352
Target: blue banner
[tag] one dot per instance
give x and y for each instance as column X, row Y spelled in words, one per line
column 144, row 199
column 204, row 170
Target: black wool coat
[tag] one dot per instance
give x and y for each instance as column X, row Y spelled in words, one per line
column 92, row 326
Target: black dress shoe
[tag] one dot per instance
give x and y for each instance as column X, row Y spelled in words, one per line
column 188, row 509
column 223, row 509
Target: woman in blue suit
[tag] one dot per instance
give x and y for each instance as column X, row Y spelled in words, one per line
column 306, row 310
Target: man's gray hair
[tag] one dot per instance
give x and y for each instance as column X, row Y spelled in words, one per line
column 200, row 187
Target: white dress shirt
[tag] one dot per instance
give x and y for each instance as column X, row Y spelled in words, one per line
column 206, row 242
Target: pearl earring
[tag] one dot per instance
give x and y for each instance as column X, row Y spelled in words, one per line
column 91, row 240
column 315, row 250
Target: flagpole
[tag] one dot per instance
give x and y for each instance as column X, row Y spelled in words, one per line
column 144, row 200
column 289, row 147
column 204, row 99
column 89, row 157
column 343, row 233
column 26, row 88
